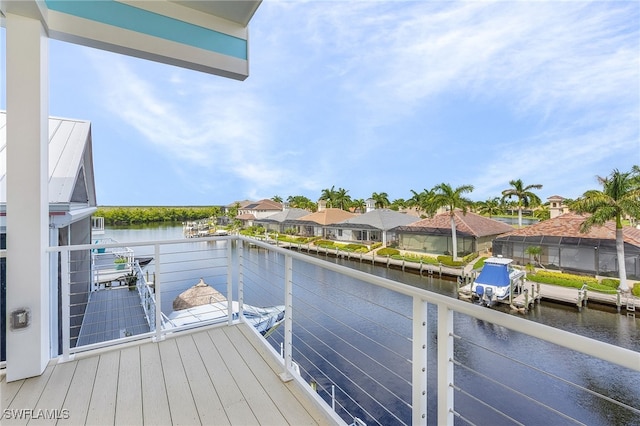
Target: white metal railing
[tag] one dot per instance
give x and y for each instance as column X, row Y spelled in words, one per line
column 323, row 319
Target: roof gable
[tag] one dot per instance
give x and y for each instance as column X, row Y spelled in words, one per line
column 71, row 177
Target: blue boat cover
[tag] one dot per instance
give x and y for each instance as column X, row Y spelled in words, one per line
column 494, row 274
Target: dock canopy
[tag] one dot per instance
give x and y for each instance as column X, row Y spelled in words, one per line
column 495, row 272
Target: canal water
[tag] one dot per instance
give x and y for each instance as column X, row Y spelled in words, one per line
column 597, row 322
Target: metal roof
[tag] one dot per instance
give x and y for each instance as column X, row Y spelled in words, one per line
column 71, row 179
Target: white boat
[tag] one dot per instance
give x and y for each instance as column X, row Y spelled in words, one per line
column 263, row 319
column 496, row 280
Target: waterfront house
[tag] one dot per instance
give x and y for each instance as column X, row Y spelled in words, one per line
column 373, row 226
column 249, row 212
column 433, row 235
column 565, row 247
column 278, row 222
column 71, row 200
column 320, row 223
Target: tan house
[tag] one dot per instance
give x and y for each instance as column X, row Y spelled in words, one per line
column 474, row 233
column 318, row 224
column 565, row 247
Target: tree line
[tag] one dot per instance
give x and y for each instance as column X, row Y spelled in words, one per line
column 137, row 215
column 427, row 202
column 617, row 200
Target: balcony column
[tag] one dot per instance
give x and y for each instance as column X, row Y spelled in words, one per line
column 27, row 65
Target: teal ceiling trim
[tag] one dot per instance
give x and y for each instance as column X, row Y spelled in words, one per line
column 131, row 18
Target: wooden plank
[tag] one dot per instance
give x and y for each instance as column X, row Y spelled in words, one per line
column 204, row 393
column 155, row 406
column 284, row 395
column 51, row 401
column 129, row 395
column 255, row 394
column 183, row 409
column 27, row 396
column 79, row 395
column 102, row 406
column 233, row 401
column 8, row 391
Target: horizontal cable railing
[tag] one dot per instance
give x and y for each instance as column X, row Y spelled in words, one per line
column 375, row 350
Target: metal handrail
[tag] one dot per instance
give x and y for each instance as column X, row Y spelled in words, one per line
column 446, row 306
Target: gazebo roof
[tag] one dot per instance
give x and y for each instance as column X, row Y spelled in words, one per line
column 200, row 294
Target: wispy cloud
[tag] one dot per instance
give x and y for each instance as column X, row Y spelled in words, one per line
column 355, row 93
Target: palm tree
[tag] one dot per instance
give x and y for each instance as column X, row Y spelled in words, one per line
column 342, row 199
column 525, row 197
column 398, row 204
column 277, row 198
column 491, row 207
column 359, row 204
column 445, row 196
column 301, row 202
column 381, row 200
column 620, row 196
column 543, row 213
column 329, row 195
column 423, row 202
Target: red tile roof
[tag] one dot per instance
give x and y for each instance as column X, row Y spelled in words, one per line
column 568, row 225
column 469, row 224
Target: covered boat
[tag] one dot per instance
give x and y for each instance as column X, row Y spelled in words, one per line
column 496, row 280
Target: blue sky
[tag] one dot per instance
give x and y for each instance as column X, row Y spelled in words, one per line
column 372, row 97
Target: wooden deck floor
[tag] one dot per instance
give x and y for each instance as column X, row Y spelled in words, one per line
column 218, row 376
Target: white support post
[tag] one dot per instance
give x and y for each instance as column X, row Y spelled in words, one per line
column 66, row 310
column 419, row 365
column 445, row 366
column 288, row 319
column 158, row 295
column 229, row 284
column 239, row 248
column 27, row 81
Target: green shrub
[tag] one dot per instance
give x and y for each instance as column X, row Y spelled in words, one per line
column 323, row 243
column 610, row 282
column 479, row 263
column 562, row 279
column 448, row 261
column 635, row 290
column 468, row 258
column 375, row 246
column 608, row 285
column 353, row 247
column 388, row 251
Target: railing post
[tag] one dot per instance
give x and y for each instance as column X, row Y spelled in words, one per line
column 445, row 366
column 419, row 365
column 158, row 292
column 229, row 284
column 288, row 319
column 239, row 249
column 66, row 301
